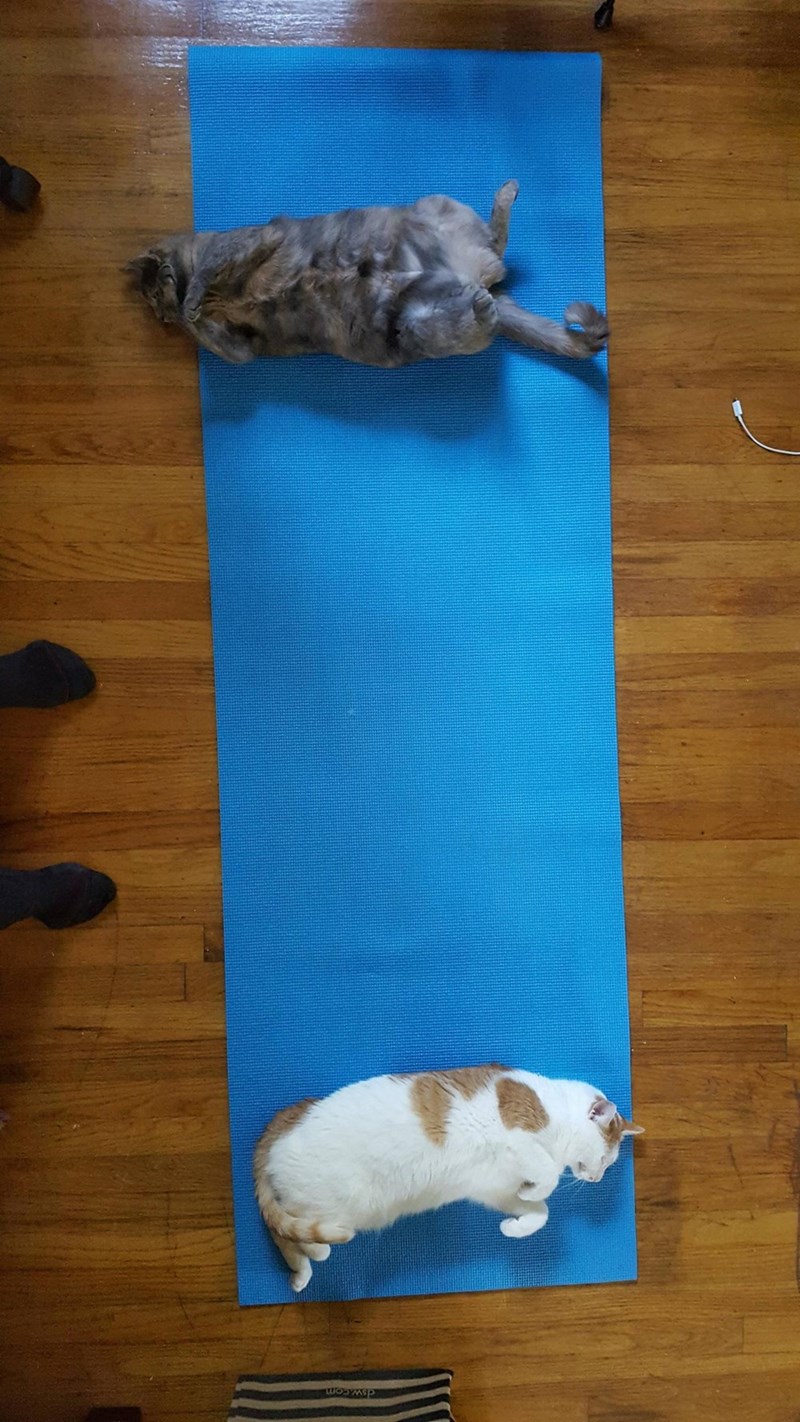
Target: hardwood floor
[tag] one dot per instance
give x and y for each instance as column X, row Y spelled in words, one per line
column 117, row 1253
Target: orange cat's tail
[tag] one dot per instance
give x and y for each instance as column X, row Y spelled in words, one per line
column 278, row 1220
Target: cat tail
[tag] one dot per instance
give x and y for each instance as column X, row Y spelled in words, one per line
column 280, row 1221
column 300, row 1231
column 541, row 334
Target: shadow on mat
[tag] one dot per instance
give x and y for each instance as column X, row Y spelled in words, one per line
column 590, row 373
column 465, row 1233
column 448, row 400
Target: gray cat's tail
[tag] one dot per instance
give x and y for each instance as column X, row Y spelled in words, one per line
column 278, row 1220
column 543, row 335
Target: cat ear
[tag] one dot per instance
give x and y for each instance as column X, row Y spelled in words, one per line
column 628, row 1128
column 602, row 1112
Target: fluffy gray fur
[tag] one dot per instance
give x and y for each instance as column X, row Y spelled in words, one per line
column 379, row 285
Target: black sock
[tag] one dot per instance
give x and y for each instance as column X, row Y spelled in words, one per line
column 60, row 896
column 43, row 674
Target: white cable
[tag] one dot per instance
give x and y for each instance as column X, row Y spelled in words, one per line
column 737, row 410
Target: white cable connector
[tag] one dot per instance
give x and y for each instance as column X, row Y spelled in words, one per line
column 770, row 448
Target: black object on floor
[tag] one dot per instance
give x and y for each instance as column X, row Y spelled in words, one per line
column 43, row 674
column 114, row 1414
column 604, row 16
column 18, row 188
column 59, row 896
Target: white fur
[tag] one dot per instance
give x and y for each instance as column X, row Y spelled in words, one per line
column 360, row 1158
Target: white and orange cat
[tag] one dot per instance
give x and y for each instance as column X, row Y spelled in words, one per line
column 398, row 1145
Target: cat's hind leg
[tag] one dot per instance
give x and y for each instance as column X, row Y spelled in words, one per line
column 318, row 1252
column 542, row 334
column 534, row 1218
column 504, row 200
column 297, row 1259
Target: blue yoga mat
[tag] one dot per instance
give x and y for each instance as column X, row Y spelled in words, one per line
column 412, row 604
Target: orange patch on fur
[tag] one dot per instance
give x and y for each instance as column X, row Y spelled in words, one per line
column 612, row 1133
column 468, row 1081
column 288, row 1241
column 519, row 1105
column 431, row 1101
column 280, row 1125
column 433, row 1093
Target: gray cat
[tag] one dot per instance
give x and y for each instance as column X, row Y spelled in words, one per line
column 379, row 285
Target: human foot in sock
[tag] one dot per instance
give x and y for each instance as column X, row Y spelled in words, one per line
column 43, row 674
column 74, row 894
column 60, row 895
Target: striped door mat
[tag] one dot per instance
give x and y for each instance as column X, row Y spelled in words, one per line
column 315, row 1397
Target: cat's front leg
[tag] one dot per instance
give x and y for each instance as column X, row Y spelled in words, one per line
column 529, row 1223
column 538, row 1189
column 443, row 316
column 222, row 340
column 538, row 1172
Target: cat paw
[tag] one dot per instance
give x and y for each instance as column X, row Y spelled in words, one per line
column 318, row 1252
column 593, row 337
column 526, row 1224
column 511, row 1228
column 301, row 1277
column 483, row 305
column 509, row 192
column 482, row 302
column 530, row 1190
